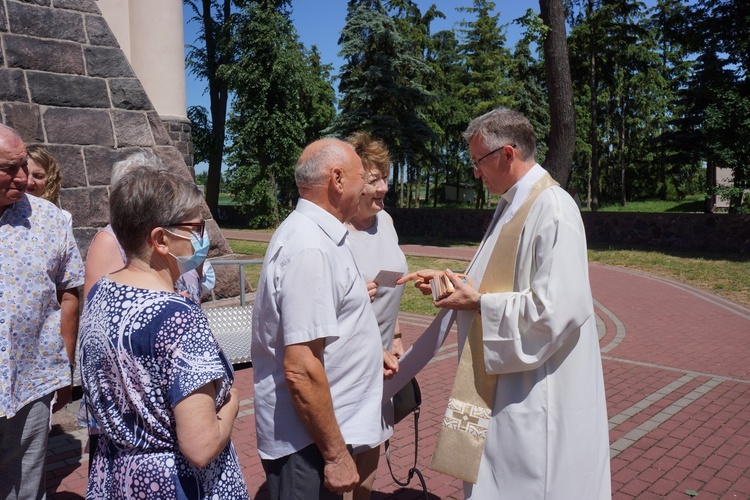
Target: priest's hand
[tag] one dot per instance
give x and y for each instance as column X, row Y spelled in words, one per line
column 463, row 298
column 421, row 280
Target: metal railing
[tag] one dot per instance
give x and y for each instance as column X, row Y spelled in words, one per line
column 236, row 262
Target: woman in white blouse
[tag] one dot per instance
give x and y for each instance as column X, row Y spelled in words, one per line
column 374, row 244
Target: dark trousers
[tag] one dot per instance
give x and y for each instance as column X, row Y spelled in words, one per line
column 298, row 476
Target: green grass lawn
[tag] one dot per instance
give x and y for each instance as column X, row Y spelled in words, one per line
column 726, row 275
column 413, row 301
column 693, row 203
column 250, row 249
column 226, row 199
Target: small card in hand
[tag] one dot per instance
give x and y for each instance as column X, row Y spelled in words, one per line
column 442, row 286
column 387, row 278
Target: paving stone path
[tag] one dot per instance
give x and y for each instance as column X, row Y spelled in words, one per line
column 677, row 378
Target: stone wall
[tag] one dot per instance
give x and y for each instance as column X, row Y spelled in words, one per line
column 65, row 83
column 180, row 133
column 449, row 223
column 708, row 232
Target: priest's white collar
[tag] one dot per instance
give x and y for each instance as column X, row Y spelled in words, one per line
column 514, row 196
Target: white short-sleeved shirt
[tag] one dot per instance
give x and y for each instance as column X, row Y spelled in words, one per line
column 310, row 288
column 376, row 249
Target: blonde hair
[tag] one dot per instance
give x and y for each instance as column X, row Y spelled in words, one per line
column 44, row 159
column 372, row 152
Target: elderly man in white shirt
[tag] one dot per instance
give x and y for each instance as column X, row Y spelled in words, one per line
column 317, row 359
column 527, row 416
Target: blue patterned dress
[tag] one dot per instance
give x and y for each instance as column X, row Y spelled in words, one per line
column 142, row 352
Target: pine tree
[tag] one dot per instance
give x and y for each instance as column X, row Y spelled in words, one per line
column 487, row 62
column 279, row 104
column 381, row 84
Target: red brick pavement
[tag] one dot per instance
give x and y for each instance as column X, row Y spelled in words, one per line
column 678, row 394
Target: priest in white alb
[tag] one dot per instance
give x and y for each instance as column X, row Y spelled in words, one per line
column 527, row 416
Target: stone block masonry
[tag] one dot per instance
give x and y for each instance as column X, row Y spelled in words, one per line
column 65, row 83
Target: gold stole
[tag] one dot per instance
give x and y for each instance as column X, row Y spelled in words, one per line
column 464, row 430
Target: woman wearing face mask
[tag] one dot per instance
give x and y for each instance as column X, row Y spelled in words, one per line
column 154, row 378
column 105, row 254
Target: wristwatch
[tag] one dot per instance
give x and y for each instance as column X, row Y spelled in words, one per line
column 479, row 303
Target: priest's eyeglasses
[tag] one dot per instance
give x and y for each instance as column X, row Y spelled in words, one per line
column 476, row 163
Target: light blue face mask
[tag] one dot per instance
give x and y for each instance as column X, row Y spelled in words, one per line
column 200, row 251
column 208, row 282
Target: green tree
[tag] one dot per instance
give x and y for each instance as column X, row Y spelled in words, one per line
column 587, row 31
column 717, row 99
column 448, row 113
column 420, row 136
column 623, row 92
column 200, row 178
column 674, row 169
column 201, row 133
column 206, row 59
column 527, row 81
column 487, row 62
column 487, row 59
column 319, row 98
column 381, row 83
column 279, row 105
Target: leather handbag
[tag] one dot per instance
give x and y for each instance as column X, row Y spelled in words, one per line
column 406, row 401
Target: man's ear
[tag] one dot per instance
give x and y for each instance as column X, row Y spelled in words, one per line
column 337, row 179
column 158, row 240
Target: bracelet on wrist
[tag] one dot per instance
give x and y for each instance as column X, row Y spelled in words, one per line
column 397, row 335
column 479, row 303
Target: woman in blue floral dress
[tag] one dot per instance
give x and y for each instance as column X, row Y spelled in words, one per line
column 154, row 378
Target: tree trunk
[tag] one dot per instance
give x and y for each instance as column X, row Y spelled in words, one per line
column 418, row 186
column 437, row 186
column 401, row 187
column 623, row 195
column 593, row 138
column 709, row 205
column 559, row 159
column 588, row 192
column 396, row 186
column 219, row 94
column 427, row 188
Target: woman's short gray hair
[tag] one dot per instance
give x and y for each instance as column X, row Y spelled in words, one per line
column 139, row 160
column 503, row 126
column 143, row 199
column 312, row 170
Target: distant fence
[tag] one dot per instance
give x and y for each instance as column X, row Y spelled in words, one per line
column 711, row 232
